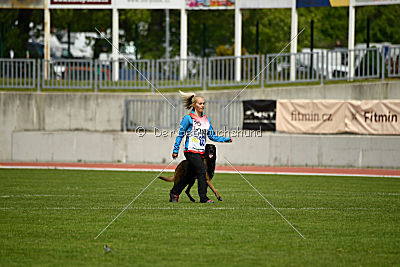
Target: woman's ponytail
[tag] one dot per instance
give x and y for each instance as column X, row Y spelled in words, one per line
column 187, row 99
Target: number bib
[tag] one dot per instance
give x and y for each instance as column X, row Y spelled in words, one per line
column 197, row 136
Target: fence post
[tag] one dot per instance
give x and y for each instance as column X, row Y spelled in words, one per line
column 267, row 66
column 322, row 67
column 326, row 69
column 262, row 70
column 209, row 72
column 152, row 76
column 38, row 74
column 383, row 62
column 350, row 64
column 95, row 75
column 204, row 61
column 34, row 75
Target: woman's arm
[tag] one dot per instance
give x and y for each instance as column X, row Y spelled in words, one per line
column 213, row 137
column 183, row 127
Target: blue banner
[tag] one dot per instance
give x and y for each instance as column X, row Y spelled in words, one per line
column 312, row 3
column 322, row 3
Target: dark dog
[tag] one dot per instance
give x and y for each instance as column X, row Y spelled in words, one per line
column 183, row 171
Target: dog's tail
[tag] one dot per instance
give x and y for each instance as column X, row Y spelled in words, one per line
column 167, row 179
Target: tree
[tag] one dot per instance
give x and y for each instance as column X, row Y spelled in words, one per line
column 219, row 25
column 274, row 27
column 330, row 25
column 135, row 25
column 8, row 21
column 384, row 24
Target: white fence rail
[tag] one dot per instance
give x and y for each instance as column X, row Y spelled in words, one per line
column 255, row 70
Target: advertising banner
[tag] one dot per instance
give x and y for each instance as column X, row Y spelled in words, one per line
column 80, row 4
column 310, row 116
column 22, row 4
column 322, row 3
column 210, row 4
column 375, row 2
column 259, row 114
column 338, row 3
column 248, row 4
column 332, row 116
column 373, row 117
column 150, row 4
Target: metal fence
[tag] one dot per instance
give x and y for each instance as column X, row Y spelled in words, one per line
column 18, row 73
column 67, row 74
column 392, row 59
column 336, row 67
column 121, row 74
column 330, row 65
column 366, row 64
column 159, row 114
column 222, row 71
column 176, row 73
column 307, row 67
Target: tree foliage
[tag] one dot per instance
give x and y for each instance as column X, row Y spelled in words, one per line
column 219, row 30
column 147, row 28
column 10, row 30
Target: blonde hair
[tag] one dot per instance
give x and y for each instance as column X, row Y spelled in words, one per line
column 189, row 99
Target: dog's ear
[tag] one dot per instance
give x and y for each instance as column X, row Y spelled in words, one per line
column 214, row 148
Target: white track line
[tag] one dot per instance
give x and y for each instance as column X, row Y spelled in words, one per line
column 27, row 195
column 185, row 208
column 266, row 199
column 271, row 192
column 218, row 171
column 316, row 174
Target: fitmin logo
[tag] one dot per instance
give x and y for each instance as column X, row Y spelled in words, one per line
column 373, row 117
column 312, row 116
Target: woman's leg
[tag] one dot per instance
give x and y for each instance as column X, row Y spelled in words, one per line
column 178, row 187
column 197, row 165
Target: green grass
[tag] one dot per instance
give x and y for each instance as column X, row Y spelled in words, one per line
column 50, row 217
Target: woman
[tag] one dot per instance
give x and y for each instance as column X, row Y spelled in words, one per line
column 196, row 126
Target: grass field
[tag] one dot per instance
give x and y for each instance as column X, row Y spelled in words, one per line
column 51, row 217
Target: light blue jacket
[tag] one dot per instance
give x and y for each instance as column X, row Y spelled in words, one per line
column 186, row 126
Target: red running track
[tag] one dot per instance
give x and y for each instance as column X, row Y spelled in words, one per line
column 220, row 169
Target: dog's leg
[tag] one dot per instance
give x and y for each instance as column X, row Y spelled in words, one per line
column 214, row 190
column 187, row 191
column 208, row 181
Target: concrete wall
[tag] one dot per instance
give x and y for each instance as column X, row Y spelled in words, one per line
column 21, row 112
column 266, row 149
column 354, row 91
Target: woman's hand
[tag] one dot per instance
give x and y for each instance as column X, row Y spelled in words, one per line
column 174, row 155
